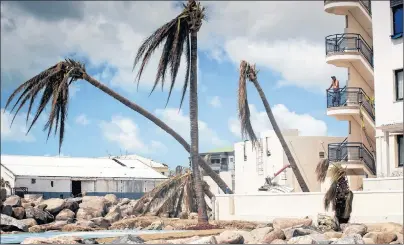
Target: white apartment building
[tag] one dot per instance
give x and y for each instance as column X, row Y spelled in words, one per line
column 371, row 50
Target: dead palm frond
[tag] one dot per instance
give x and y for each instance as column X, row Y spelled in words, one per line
column 54, row 84
column 348, row 205
column 175, row 35
column 322, row 169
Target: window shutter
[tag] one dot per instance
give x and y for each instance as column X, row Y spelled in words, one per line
column 394, row 3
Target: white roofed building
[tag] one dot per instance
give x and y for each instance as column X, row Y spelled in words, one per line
column 67, row 176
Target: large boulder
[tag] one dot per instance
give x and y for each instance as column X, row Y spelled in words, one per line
column 41, row 216
column 111, row 199
column 3, row 194
column 34, row 198
column 114, row 214
column 86, row 223
column 278, row 241
column 275, row 234
column 98, row 204
column 352, row 239
column 385, row 227
column 75, row 228
column 54, row 205
column 231, row 235
column 128, row 239
column 126, row 210
column 88, row 213
column 301, row 240
column 124, row 201
column 29, row 222
column 72, row 205
column 295, row 232
column 28, row 204
column 54, row 226
column 260, row 233
column 326, row 223
column 333, row 234
column 66, row 214
column 18, row 212
column 7, row 210
column 53, row 240
column 205, row 240
column 233, row 238
column 283, row 223
column 381, row 237
column 155, row 226
column 101, row 222
column 352, row 229
column 8, row 223
column 13, row 201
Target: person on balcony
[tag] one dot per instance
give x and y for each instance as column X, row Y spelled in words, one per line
column 335, row 91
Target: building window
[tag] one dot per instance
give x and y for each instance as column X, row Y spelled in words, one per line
column 321, row 154
column 51, row 183
column 400, row 144
column 397, row 21
column 399, row 84
column 33, row 181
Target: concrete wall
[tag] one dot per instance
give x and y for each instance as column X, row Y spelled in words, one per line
column 214, row 188
column 305, row 149
column 383, row 184
column 386, row 169
column 355, row 27
column 368, row 207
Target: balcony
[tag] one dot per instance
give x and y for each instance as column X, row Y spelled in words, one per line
column 361, row 10
column 357, row 159
column 350, row 50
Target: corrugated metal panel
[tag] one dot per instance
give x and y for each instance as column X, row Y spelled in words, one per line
column 74, row 167
column 394, row 3
column 143, row 160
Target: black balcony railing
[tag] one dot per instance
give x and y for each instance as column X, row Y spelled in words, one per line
column 350, row 97
column 367, row 4
column 351, row 151
column 348, row 42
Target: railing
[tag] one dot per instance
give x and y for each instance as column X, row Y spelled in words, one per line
column 19, row 191
column 367, row 4
column 339, row 43
column 350, row 96
column 348, row 151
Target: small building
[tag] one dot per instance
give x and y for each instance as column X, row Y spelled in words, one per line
column 253, row 166
column 60, row 177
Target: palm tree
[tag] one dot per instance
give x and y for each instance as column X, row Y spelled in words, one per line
column 55, row 82
column 338, row 195
column 179, row 36
column 249, row 72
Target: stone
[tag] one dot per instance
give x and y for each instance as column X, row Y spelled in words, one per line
column 234, row 238
column 193, row 216
column 41, row 206
column 205, row 240
column 112, row 199
column 75, row 227
column 126, row 210
column 28, row 204
column 114, row 214
column 326, row 223
column 101, row 222
column 66, row 214
column 283, row 223
column 301, row 240
column 41, row 216
column 168, row 228
column 98, row 204
column 155, row 226
column 7, row 210
column 3, row 194
column 320, row 238
column 88, row 213
column 400, row 238
column 8, row 223
column 124, row 201
column 367, row 240
column 128, row 239
column 54, row 205
column 385, row 227
column 18, row 212
column 90, row 241
column 275, row 234
column 53, row 240
column 295, row 232
column 395, row 242
column 13, row 201
column 183, row 215
column 278, row 241
column 72, row 205
column 333, row 234
column 54, row 226
column 259, row 233
column 29, row 222
column 352, row 229
column 230, row 234
column 352, row 239
column 34, row 198
column 381, row 237
column 86, row 223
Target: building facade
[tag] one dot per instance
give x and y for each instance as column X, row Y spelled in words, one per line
column 371, row 50
column 253, row 165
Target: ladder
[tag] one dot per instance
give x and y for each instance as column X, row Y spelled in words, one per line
column 260, row 161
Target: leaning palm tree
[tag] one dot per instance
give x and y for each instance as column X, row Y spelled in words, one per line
column 339, row 196
column 179, row 36
column 54, row 84
column 249, row 72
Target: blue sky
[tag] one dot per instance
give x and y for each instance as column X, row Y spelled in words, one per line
column 286, row 42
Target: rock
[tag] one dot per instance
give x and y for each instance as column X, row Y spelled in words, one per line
column 114, row 214
column 29, row 222
column 275, row 234
column 88, row 213
column 34, row 198
column 295, row 232
column 259, row 233
column 75, row 227
column 400, row 238
column 352, row 239
column 98, row 204
column 7, row 210
column 128, row 239
column 155, row 226
column 183, row 215
column 320, row 238
column 193, row 216
column 3, row 194
column 283, row 223
column 205, row 240
column 233, row 238
column 54, row 205
column 66, row 214
column 278, row 241
column 381, row 237
column 8, row 223
column 28, row 204
column 101, row 222
column 367, row 240
column 41, row 206
column 126, row 210
column 168, row 228
column 54, row 226
column 301, row 240
column 352, row 229
column 395, row 242
column 53, row 240
column 112, row 199
column 90, row 241
column 333, row 234
column 385, row 227
column 18, row 212
column 13, row 201
column 72, row 205
column 326, row 223
column 124, row 201
column 41, row 216
column 230, row 234
column 86, row 223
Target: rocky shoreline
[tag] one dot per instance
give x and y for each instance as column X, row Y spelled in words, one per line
column 92, row 213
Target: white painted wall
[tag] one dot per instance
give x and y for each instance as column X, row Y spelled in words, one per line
column 383, row 184
column 384, row 169
column 44, row 184
column 368, row 207
column 214, row 188
column 305, row 149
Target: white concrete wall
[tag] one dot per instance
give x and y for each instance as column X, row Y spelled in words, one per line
column 388, row 56
column 44, row 184
column 385, row 169
column 383, row 184
column 368, row 207
column 214, row 188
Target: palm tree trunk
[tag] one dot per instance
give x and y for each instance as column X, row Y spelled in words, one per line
column 208, row 170
column 278, row 133
column 193, row 115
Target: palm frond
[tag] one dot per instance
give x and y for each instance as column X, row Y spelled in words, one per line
column 330, row 196
column 53, row 86
column 348, row 205
column 322, row 169
column 337, row 172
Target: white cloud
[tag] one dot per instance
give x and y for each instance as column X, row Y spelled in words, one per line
column 286, row 119
column 180, row 123
column 18, row 130
column 82, row 119
column 215, row 102
column 125, row 132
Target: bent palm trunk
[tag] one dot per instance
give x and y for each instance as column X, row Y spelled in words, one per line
column 278, row 133
column 208, row 170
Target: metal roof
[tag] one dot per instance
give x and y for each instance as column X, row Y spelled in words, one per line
column 143, row 160
column 75, row 167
